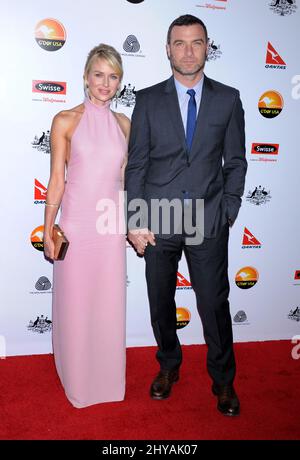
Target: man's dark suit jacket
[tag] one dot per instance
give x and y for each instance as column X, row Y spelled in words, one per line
column 160, row 166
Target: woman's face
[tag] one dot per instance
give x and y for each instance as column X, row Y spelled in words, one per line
column 103, row 81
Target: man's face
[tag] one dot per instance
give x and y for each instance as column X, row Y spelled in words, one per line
column 187, row 49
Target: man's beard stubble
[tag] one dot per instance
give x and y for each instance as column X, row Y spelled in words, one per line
column 181, row 71
column 189, row 72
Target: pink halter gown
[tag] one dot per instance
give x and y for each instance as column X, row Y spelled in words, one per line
column 89, row 284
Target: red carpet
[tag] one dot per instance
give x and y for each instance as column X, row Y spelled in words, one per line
column 33, row 404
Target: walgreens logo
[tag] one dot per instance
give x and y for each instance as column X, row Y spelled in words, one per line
column 41, row 86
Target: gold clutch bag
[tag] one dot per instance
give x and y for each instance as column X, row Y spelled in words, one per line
column 61, row 243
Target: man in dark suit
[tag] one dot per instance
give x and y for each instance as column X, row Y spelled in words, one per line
column 187, row 144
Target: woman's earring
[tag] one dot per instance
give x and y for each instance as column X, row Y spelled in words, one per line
column 86, row 88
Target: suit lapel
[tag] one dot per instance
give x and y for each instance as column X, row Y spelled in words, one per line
column 202, row 118
column 173, row 108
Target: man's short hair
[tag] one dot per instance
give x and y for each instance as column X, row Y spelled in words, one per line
column 186, row 20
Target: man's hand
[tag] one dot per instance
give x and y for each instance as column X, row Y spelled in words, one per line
column 140, row 239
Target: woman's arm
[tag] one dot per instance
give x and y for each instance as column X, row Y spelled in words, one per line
column 59, row 149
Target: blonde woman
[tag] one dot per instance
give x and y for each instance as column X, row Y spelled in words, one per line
column 89, row 148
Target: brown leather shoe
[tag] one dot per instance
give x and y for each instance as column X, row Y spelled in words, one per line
column 228, row 402
column 162, row 384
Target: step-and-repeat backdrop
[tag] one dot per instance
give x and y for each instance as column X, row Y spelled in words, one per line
column 254, row 46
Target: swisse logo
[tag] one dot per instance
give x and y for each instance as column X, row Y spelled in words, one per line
column 57, row 87
column 266, row 149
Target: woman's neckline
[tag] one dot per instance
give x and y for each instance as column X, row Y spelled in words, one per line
column 97, row 108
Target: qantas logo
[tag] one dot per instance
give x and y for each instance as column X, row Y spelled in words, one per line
column 182, row 282
column 249, row 240
column 273, row 59
column 57, row 87
column 297, row 275
column 40, row 192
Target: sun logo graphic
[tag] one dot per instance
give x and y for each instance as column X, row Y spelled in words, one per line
column 270, row 104
column 246, row 277
column 50, row 34
column 183, row 317
column 36, row 237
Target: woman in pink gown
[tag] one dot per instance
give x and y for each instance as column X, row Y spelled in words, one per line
column 89, row 142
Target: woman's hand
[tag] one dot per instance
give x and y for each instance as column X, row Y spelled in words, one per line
column 48, row 247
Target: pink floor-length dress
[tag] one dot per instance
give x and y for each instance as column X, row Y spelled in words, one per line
column 89, row 285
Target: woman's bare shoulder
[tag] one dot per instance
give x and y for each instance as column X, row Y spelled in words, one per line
column 66, row 118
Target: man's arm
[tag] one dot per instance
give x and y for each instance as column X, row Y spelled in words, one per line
column 136, row 170
column 138, row 151
column 235, row 164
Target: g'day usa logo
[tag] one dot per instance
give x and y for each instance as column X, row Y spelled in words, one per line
column 283, row 7
column 50, row 34
column 50, row 88
column 270, row 104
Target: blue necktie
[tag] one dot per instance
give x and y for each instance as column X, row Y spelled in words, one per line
column 191, row 118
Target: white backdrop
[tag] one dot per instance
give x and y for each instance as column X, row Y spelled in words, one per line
column 240, row 32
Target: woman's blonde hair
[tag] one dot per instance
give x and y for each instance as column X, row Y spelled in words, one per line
column 109, row 54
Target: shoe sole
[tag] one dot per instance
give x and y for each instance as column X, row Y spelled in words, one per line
column 228, row 414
